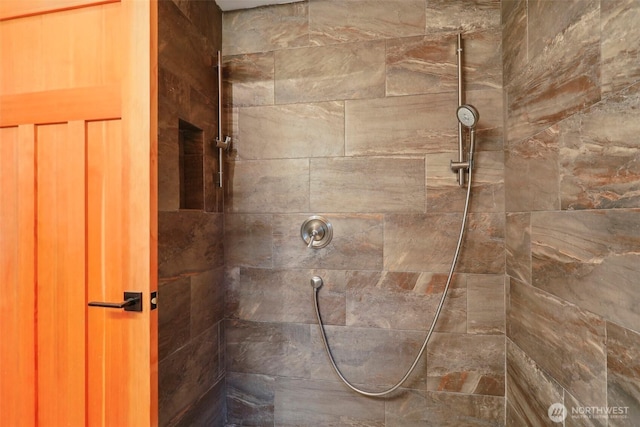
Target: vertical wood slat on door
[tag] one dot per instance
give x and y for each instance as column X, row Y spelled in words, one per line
column 17, row 265
column 61, row 287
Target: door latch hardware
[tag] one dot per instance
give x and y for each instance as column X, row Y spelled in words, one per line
column 132, row 302
column 154, row 300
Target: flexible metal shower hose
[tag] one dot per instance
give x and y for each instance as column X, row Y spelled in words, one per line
column 435, row 318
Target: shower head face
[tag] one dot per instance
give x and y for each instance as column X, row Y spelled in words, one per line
column 468, row 115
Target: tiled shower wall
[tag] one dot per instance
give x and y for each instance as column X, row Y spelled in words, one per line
column 190, row 252
column 572, row 175
column 347, row 109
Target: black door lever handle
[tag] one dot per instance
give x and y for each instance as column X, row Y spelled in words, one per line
column 132, row 302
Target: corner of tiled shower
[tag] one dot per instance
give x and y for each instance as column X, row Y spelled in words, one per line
column 347, row 109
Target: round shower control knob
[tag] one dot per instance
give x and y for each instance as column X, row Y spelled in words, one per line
column 316, row 232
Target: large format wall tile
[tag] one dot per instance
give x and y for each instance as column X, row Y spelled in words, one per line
column 541, row 96
column 323, row 403
column 248, row 80
column 466, row 15
column 266, row 295
column 485, row 304
column 528, row 401
column 417, row 408
column 357, row 243
column 346, row 71
column 591, row 259
column 532, row 172
column 265, row 29
column 518, row 246
column 371, row 357
column 472, row 364
column 268, row 348
column 334, row 21
column 248, row 240
column 444, row 194
column 367, row 185
column 185, row 243
column 620, row 43
column 514, row 30
column 262, row 186
column 188, row 373
column 600, row 166
column 422, row 64
column 565, row 341
column 250, row 399
column 427, row 243
column 290, row 131
column 401, row 125
column 623, row 378
column 373, row 299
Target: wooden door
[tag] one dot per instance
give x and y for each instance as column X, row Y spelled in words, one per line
column 78, row 214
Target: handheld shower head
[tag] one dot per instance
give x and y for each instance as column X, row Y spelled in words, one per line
column 468, row 115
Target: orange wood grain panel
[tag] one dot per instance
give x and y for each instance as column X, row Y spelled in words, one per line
column 105, row 246
column 70, row 49
column 61, row 289
column 94, row 103
column 17, row 265
column 19, row 8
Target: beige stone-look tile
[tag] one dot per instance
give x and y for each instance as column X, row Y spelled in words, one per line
column 472, row 364
column 490, row 128
column 620, row 41
column 518, row 246
column 262, row 186
column 416, row 124
column 530, row 390
column 207, row 300
column 444, row 194
column 543, row 95
column 623, row 374
column 512, row 417
column 266, row 295
column 550, row 18
column 485, row 304
column 427, row 243
column 175, row 316
column 372, row 358
column 248, row 240
column 248, row 80
column 250, row 399
column 373, row 299
column 336, row 21
column 421, row 64
column 514, row 32
column 482, row 60
column 208, row 410
column 265, row 29
column 188, row 242
column 591, row 259
column 182, row 47
column 456, row 15
column 600, row 156
column 281, row 349
column 532, row 172
column 417, row 408
column 565, row 341
column 188, row 374
column 576, row 419
column 357, row 243
column 291, row 131
column 309, row 403
column 357, row 184
column 327, row 73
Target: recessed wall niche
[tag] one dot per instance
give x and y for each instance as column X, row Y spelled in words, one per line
column 191, row 141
